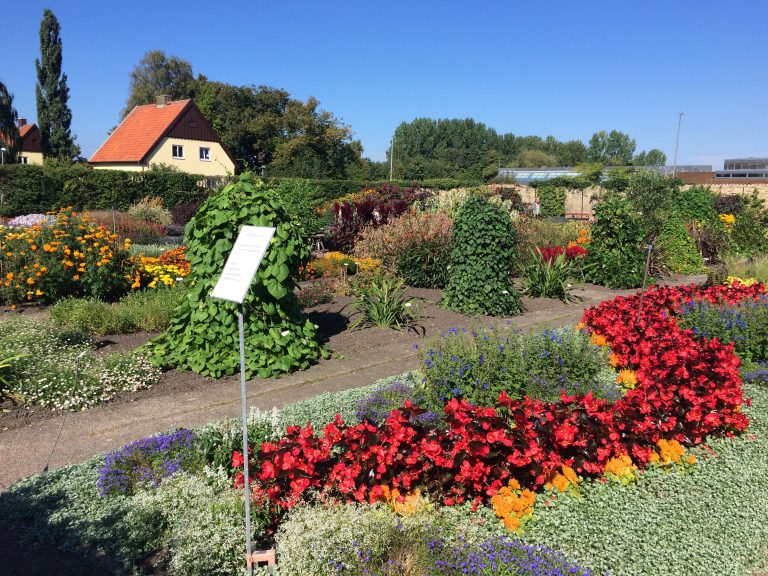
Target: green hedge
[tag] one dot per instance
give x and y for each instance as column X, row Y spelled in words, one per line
column 332, row 189
column 26, row 189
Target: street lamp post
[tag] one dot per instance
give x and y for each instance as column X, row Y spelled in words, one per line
column 391, row 157
column 677, row 142
column 3, row 150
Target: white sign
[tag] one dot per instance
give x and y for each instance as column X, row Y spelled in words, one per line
column 243, row 261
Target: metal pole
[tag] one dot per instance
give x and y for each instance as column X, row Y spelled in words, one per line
column 645, row 279
column 391, row 157
column 677, row 142
column 246, row 478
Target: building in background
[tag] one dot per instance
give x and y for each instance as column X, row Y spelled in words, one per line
column 168, row 133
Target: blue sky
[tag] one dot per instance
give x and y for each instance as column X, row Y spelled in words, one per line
column 561, row 68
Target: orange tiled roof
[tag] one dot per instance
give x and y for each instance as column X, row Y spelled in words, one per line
column 24, row 129
column 137, row 135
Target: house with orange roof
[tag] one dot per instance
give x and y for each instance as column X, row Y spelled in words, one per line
column 171, row 133
column 30, row 150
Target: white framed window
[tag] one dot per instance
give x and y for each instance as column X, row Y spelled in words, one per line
column 205, row 154
column 177, row 152
column 23, row 160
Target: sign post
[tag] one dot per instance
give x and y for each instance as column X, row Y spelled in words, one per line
column 239, row 269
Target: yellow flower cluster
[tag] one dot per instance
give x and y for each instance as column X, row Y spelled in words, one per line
column 731, row 280
column 598, row 339
column 627, row 378
column 514, row 506
column 583, row 237
column 728, row 220
column 621, row 468
column 671, row 452
column 70, row 256
column 404, row 505
column 563, row 479
column 151, row 273
column 333, row 264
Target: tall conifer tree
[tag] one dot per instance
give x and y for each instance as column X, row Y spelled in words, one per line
column 9, row 133
column 54, row 117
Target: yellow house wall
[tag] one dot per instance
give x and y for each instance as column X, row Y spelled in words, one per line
column 218, row 165
column 119, row 166
column 33, row 157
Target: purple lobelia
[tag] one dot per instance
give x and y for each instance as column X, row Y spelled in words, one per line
column 147, row 462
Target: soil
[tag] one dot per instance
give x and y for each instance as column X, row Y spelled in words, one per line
column 333, row 321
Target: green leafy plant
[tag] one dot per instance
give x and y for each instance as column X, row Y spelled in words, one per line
column 147, row 311
column 548, row 278
column 478, row 365
column 382, row 301
column 482, row 257
column 675, row 248
column 552, row 200
column 7, row 377
column 203, row 333
column 151, row 210
column 616, row 258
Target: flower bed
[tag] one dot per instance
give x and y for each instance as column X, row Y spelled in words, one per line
column 684, row 390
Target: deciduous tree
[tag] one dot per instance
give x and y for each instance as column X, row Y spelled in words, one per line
column 157, row 74
column 9, row 133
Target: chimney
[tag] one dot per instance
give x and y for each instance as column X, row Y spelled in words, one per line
column 161, row 100
column 22, row 122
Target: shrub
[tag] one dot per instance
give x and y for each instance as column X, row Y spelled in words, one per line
column 616, row 258
column 314, row 294
column 126, row 226
column 203, row 333
column 145, row 311
column 183, row 213
column 301, row 199
column 72, row 257
column 373, row 209
column 695, row 204
column 147, row 462
column 748, row 233
column 745, row 324
column 728, row 204
column 552, row 200
column 478, row 365
column 150, row 210
column 383, row 302
column 482, row 256
column 416, row 246
column 676, row 249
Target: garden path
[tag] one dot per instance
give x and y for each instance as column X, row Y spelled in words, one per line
column 24, row 451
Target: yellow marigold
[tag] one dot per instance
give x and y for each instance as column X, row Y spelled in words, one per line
column 627, row 378
column 562, row 479
column 598, row 339
column 728, row 220
column 513, row 506
column 621, row 468
column 735, row 280
column 670, row 451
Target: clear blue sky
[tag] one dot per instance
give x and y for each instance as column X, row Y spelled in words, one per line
column 561, row 68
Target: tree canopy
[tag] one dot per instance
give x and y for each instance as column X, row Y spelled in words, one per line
column 265, row 128
column 54, row 118
column 9, row 132
column 157, row 74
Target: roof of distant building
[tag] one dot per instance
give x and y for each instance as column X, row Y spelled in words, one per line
column 140, row 131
